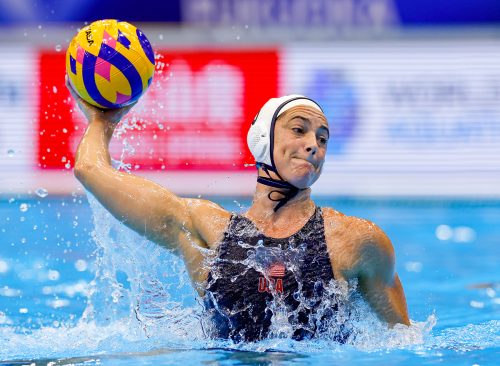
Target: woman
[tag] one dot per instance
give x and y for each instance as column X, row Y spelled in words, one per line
column 281, row 255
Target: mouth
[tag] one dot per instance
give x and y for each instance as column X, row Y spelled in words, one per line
column 306, row 162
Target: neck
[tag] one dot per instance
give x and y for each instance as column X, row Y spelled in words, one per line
column 263, row 208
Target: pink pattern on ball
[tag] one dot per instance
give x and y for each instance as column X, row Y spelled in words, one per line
column 103, row 68
column 121, row 98
column 107, row 39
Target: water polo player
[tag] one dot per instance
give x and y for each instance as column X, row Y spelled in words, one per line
column 279, row 257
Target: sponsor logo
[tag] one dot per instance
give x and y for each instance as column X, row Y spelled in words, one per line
column 88, row 34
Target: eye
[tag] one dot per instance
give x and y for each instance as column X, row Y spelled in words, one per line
column 298, row 130
column 323, row 140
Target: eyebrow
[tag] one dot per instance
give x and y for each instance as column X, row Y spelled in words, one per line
column 324, row 127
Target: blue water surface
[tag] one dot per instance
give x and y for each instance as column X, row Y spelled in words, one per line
column 62, row 303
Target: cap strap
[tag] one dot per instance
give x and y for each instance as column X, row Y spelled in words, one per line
column 290, row 191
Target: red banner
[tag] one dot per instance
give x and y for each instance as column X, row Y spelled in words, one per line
column 195, row 115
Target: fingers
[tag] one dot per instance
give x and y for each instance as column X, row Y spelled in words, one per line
column 113, row 115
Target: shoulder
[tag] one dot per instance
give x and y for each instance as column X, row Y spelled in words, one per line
column 209, row 219
column 359, row 246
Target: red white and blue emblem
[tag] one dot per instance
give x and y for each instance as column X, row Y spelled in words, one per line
column 275, row 273
column 277, row 270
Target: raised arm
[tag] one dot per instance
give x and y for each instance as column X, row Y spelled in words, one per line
column 144, row 206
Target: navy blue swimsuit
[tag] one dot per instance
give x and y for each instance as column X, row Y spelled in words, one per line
column 254, row 278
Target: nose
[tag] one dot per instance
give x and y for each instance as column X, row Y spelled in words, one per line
column 312, row 145
column 311, row 150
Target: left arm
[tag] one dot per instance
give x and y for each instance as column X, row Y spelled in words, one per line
column 378, row 282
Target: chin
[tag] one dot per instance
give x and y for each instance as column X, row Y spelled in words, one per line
column 305, row 181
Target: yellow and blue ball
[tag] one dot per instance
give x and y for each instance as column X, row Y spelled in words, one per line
column 110, row 63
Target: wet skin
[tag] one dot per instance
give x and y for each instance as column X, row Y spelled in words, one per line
column 193, row 228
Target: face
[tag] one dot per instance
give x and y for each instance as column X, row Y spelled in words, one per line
column 300, row 140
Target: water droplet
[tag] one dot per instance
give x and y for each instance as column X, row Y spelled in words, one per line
column 67, row 165
column 23, row 240
column 160, row 37
column 413, row 266
column 58, row 48
column 54, row 89
column 10, row 153
column 58, row 303
column 41, row 192
column 477, row 304
column 116, row 294
column 64, row 130
column 80, row 265
column 490, row 292
column 53, row 275
column 444, row 232
column 23, row 207
column 464, row 234
column 23, row 310
column 4, row 266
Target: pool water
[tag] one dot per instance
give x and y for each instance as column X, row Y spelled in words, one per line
column 71, row 279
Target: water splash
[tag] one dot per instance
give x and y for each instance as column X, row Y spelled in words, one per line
column 23, row 207
column 147, row 299
column 141, row 299
column 41, row 192
column 136, row 303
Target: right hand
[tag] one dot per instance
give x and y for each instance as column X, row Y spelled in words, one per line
column 93, row 113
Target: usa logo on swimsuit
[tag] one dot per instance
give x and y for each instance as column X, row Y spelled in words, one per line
column 276, row 272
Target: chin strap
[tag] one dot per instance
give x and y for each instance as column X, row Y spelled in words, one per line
column 289, row 192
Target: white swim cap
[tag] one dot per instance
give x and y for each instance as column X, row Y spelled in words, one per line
column 260, row 138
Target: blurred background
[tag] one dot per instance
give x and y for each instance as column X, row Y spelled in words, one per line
column 411, row 90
